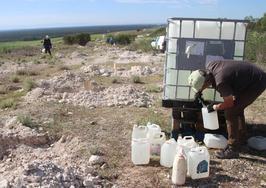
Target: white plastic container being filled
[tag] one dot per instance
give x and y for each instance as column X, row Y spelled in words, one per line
column 139, row 132
column 215, row 141
column 210, row 120
column 140, row 151
column 257, row 142
column 168, row 152
column 198, row 162
column 156, row 143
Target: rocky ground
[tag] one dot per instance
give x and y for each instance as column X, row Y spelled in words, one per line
column 73, row 129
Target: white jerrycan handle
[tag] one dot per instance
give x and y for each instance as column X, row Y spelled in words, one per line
column 141, row 127
column 154, row 126
column 188, row 138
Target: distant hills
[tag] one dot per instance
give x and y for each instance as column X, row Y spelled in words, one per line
column 35, row 34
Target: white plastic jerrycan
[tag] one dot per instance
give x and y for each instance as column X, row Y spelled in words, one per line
column 156, row 143
column 198, row 162
column 186, row 144
column 139, row 131
column 210, row 120
column 179, row 171
column 257, row 142
column 216, row 141
column 168, row 152
column 140, row 151
column 152, row 129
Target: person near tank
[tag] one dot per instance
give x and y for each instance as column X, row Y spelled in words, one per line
column 240, row 84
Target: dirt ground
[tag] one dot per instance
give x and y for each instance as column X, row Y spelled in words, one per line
column 75, row 129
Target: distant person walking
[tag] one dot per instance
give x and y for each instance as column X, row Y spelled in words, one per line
column 47, row 45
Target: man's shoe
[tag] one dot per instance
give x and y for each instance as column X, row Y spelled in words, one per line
column 227, row 153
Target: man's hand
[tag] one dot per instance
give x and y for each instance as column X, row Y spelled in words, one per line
column 199, row 99
column 211, row 108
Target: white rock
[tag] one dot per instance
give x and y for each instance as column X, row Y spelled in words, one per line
column 11, row 122
column 4, row 183
column 95, row 159
column 88, row 183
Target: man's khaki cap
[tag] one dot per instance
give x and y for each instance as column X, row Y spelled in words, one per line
column 196, row 80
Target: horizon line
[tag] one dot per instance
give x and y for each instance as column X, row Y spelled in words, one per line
column 78, row 26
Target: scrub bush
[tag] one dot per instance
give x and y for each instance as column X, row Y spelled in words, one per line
column 81, row 39
column 256, row 47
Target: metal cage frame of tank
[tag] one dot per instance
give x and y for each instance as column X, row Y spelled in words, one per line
column 179, row 102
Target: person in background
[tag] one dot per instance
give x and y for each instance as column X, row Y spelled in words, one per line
column 240, row 84
column 47, row 45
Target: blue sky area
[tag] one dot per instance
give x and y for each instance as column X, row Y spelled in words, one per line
column 17, row 14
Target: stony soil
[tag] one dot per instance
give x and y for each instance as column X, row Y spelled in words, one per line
column 82, row 117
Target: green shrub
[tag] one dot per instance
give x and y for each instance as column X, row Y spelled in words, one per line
column 28, row 84
column 136, row 80
column 22, row 72
column 115, row 80
column 15, row 79
column 81, row 39
column 8, row 103
column 5, row 50
column 26, row 121
column 123, row 39
column 256, row 47
column 158, row 32
column 143, row 44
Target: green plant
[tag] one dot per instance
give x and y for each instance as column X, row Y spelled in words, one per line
column 22, row 72
column 142, row 44
column 124, row 39
column 136, row 80
column 96, row 151
column 115, row 80
column 28, row 84
column 14, row 79
column 81, row 39
column 158, row 32
column 256, row 47
column 8, row 103
column 26, row 121
column 153, row 89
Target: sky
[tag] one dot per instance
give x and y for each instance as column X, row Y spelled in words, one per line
column 24, row 14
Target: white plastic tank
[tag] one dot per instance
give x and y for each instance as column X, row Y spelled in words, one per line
column 156, row 143
column 186, row 144
column 207, row 29
column 140, row 151
column 216, row 141
column 139, row 131
column 198, row 162
column 228, row 30
column 257, row 142
column 174, row 29
column 179, row 171
column 210, row 120
column 168, row 152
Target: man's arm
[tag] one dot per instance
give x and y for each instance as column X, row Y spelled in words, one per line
column 228, row 103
